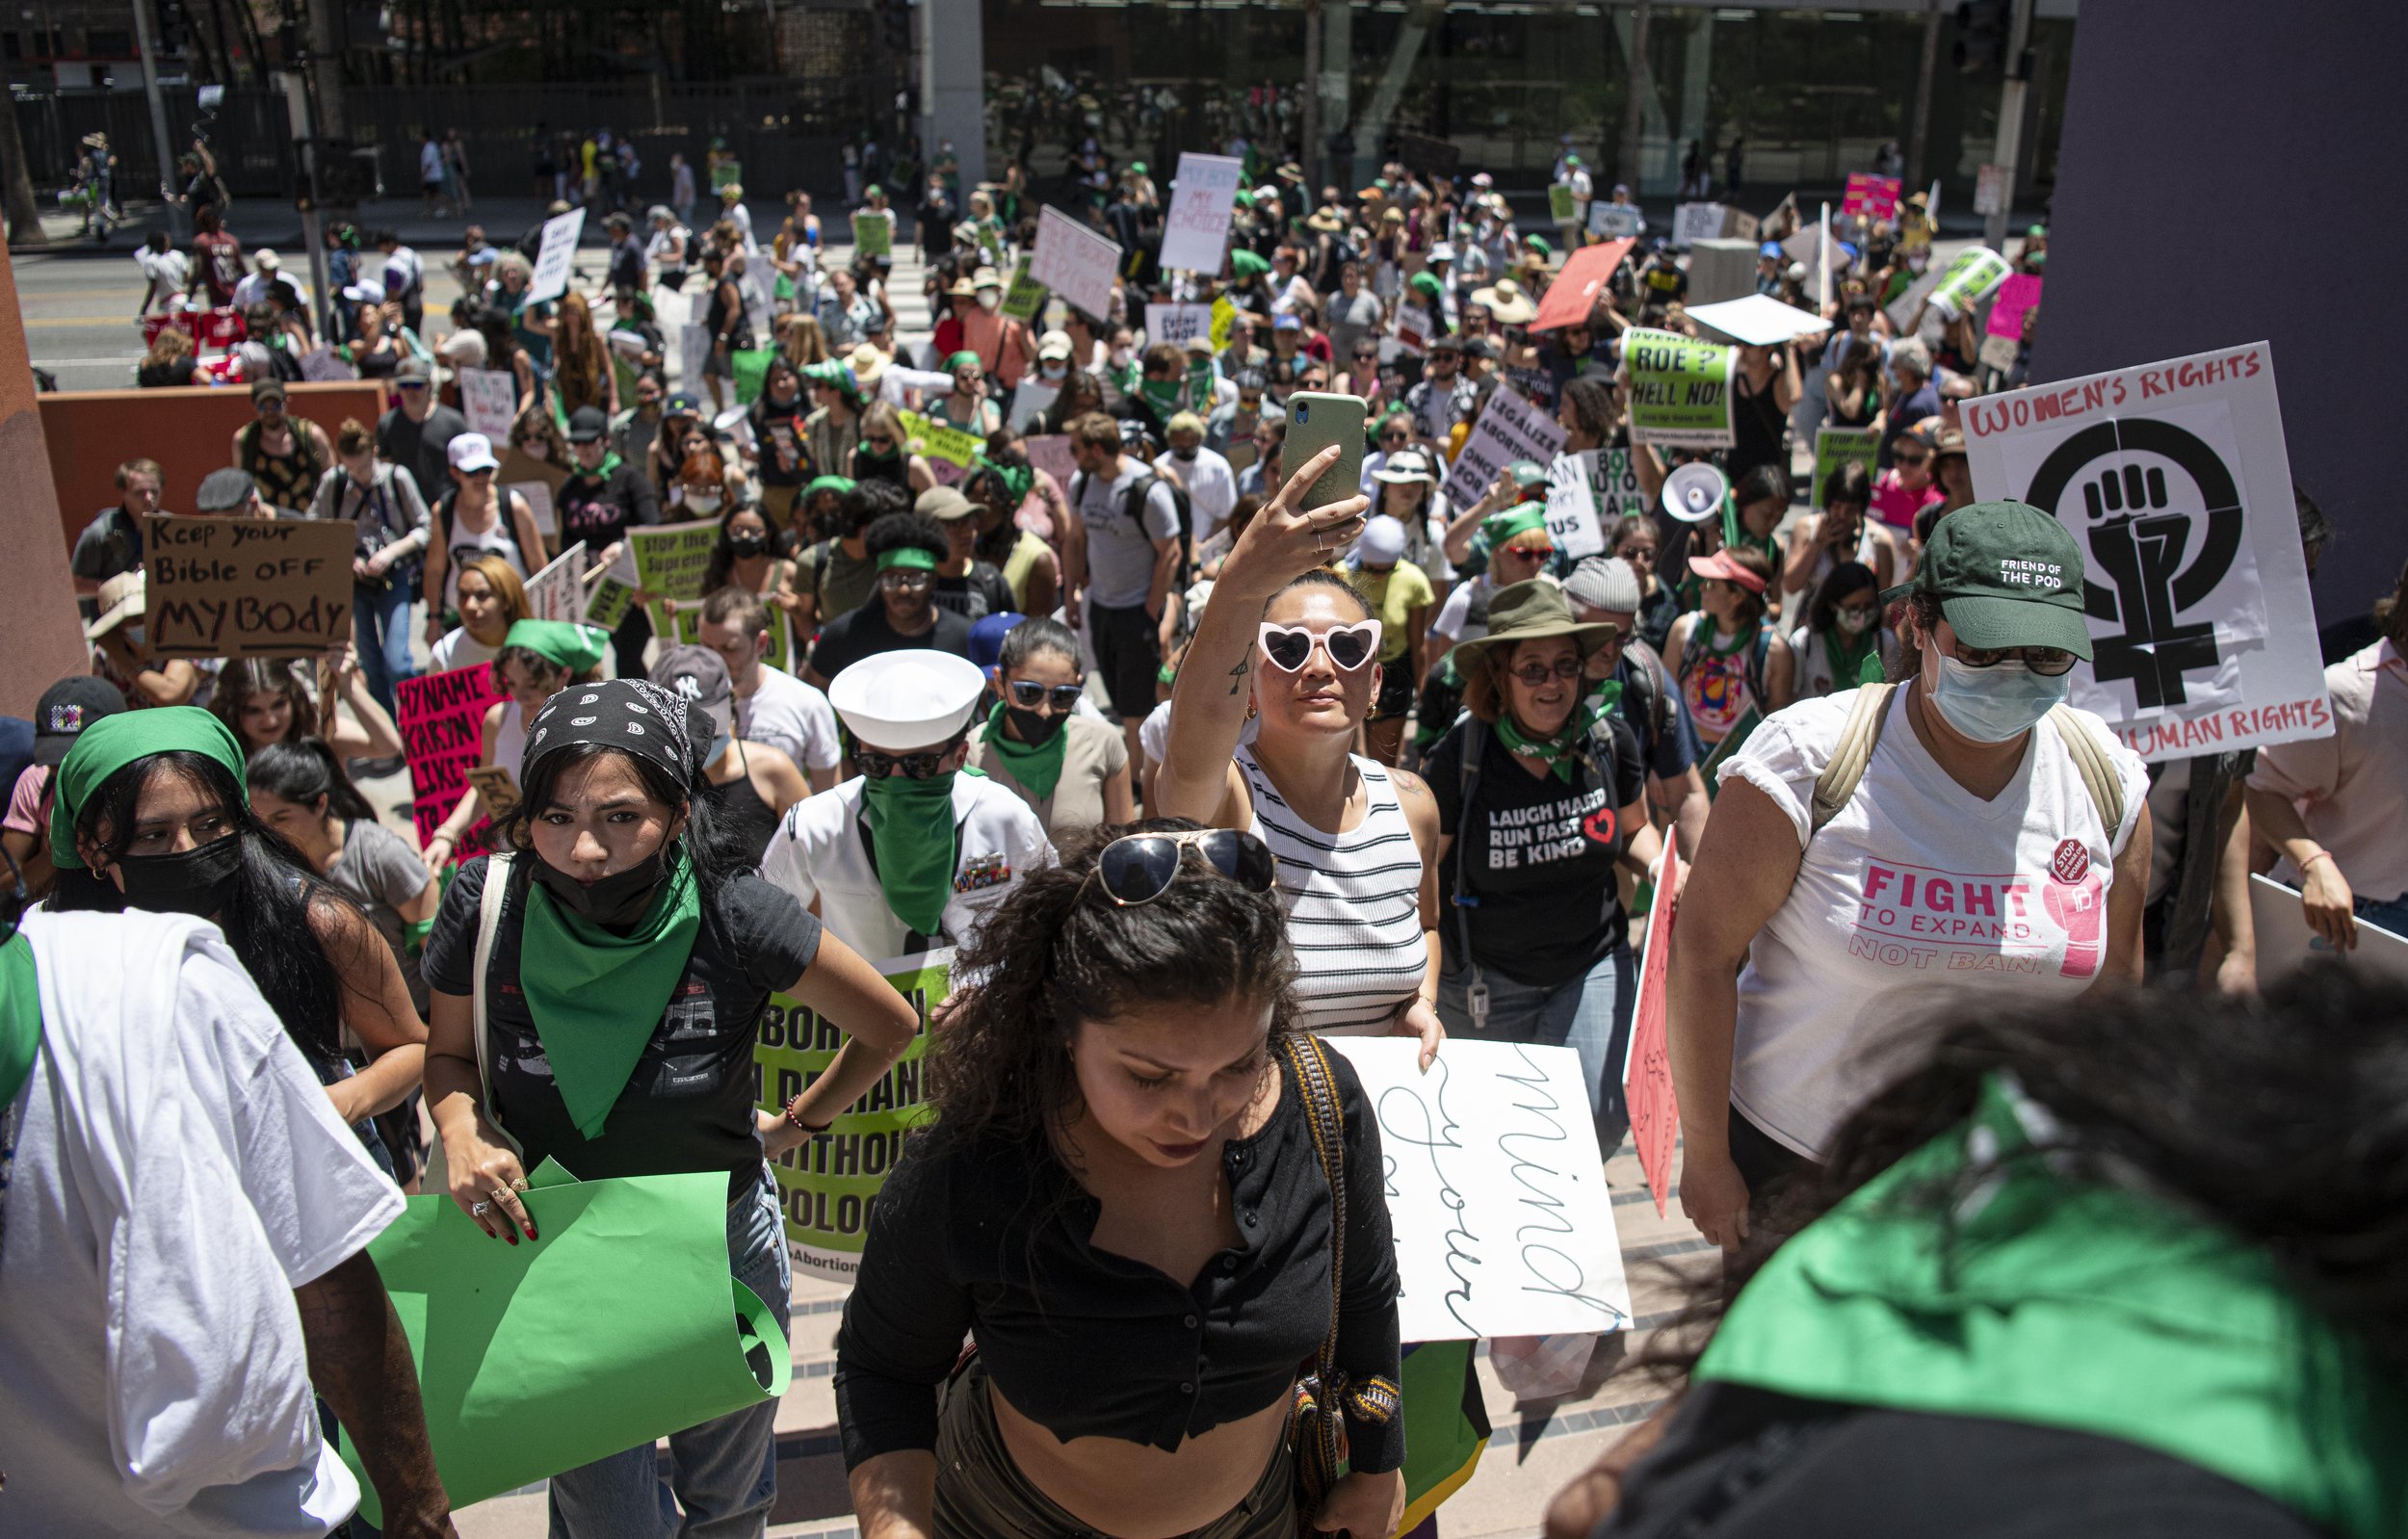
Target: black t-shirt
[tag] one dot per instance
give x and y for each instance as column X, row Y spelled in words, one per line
column 418, row 446
column 688, row 1105
column 1541, row 855
column 863, row 632
column 600, row 510
column 785, row 448
column 974, row 594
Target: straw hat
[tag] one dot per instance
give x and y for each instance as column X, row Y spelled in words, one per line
column 1506, row 300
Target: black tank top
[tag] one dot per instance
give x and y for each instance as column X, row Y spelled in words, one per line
column 745, row 814
column 1756, row 423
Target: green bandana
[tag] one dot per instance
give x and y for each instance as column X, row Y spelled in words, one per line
column 1561, row 750
column 1849, row 663
column 578, row 648
column 598, row 997
column 20, row 1018
column 2036, row 1297
column 907, row 557
column 839, row 485
column 1037, row 769
column 964, row 356
column 913, row 823
column 1519, row 519
column 1245, row 264
column 1017, row 479
column 601, row 471
column 1163, row 395
column 111, row 744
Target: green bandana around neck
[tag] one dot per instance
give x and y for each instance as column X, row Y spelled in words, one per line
column 1017, row 479
column 1848, row 662
column 918, row 844
column 1163, row 395
column 905, row 557
column 597, row 997
column 20, row 1017
column 111, row 744
column 602, row 471
column 1039, row 768
column 1560, row 751
column 2029, row 1295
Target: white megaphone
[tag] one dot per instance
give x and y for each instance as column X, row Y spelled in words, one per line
column 1694, row 492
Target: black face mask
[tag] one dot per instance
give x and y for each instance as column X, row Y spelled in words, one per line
column 748, row 544
column 1184, row 454
column 195, row 881
column 620, row 899
column 1035, row 729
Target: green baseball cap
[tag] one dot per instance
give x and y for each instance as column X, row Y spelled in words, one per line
column 2007, row 574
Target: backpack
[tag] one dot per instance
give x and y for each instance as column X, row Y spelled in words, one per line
column 1132, row 508
column 1694, row 648
column 1861, row 734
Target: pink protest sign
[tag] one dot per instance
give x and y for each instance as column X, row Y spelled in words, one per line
column 2018, row 294
column 443, row 718
column 1655, row 1115
column 1873, row 197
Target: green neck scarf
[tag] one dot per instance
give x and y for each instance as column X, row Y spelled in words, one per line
column 1037, row 769
column 111, row 744
column 1848, row 662
column 598, row 997
column 601, row 471
column 1560, row 751
column 912, row 822
column 20, row 1018
column 2056, row 1303
column 1016, row 480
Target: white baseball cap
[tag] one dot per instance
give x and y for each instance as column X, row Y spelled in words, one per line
column 1382, row 543
column 471, row 451
column 902, row 701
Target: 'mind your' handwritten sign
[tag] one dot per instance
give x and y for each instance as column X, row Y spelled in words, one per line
column 1495, row 1190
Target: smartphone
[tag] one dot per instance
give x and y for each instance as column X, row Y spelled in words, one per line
column 1314, row 422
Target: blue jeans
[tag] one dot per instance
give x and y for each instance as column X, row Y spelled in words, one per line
column 2383, row 913
column 381, row 631
column 1591, row 1015
column 723, row 1474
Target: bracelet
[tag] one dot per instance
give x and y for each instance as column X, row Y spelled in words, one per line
column 805, row 1127
column 2321, row 854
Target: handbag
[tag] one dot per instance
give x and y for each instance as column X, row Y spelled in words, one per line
column 1317, row 1428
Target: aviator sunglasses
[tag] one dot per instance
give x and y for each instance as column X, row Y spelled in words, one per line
column 1140, row 868
column 1289, row 647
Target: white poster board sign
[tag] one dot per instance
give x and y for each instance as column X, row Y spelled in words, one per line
column 558, row 592
column 1615, row 222
column 1496, row 1191
column 694, row 355
column 1174, row 324
column 1198, row 227
column 2174, row 480
column 2286, row 942
column 488, row 398
column 1509, row 428
column 538, row 497
column 1692, row 222
column 554, row 256
column 1572, row 505
column 1758, row 319
column 1074, row 261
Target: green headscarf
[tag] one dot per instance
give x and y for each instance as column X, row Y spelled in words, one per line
column 1426, row 284
column 1519, row 519
column 1017, row 479
column 1039, row 768
column 839, row 485
column 1248, row 265
column 965, row 355
column 908, row 557
column 577, row 649
column 111, row 744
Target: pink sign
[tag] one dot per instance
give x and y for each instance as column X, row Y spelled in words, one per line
column 1654, row 1113
column 2018, row 294
column 442, row 720
column 1873, row 197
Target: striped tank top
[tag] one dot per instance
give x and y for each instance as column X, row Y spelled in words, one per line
column 1354, row 902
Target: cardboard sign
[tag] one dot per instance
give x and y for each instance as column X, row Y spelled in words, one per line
column 1572, row 520
column 1647, row 1077
column 1998, row 353
column 555, row 256
column 1496, row 1191
column 1973, row 277
column 496, row 792
column 872, row 232
column 538, row 481
column 246, row 588
column 1175, row 324
column 1074, row 261
column 1572, row 297
column 828, row 1185
column 488, row 398
column 1510, row 428
column 2017, row 296
column 1680, row 389
column 670, row 560
column 1870, row 197
column 1023, row 299
column 1613, row 482
column 1758, row 319
column 2174, row 480
column 325, row 365
column 1561, row 206
column 1615, row 222
column 441, row 717
column 1834, row 447
column 557, row 593
column 1196, row 229
column 1692, row 222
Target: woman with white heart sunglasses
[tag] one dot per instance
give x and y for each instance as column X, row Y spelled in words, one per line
column 1290, row 642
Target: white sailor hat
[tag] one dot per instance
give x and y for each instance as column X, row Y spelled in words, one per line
column 900, row 701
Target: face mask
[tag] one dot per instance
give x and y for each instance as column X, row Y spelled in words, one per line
column 616, row 899
column 1161, row 394
column 1035, row 729
column 1994, row 704
column 748, row 544
column 1854, row 622
column 1054, row 371
column 1120, row 357
column 1184, row 455
column 195, row 881
column 1916, row 261
column 990, row 301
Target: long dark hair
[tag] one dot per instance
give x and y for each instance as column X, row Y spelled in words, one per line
column 717, row 852
column 723, row 568
column 1060, row 952
column 270, row 915
column 300, row 770
column 239, row 681
column 1846, row 578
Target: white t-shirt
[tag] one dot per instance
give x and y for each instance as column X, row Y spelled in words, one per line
column 458, row 649
column 1211, row 488
column 169, row 271
column 1154, row 733
column 1915, row 894
column 430, row 162
column 154, row 1378
column 786, row 713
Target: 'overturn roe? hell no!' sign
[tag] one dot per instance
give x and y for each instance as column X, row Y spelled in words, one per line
column 244, row 588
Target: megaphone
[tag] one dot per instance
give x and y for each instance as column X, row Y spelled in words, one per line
column 1694, row 492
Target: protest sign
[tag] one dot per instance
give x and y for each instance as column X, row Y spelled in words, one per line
column 555, row 593
column 1224, row 321
column 1998, row 353
column 1561, row 206
column 1051, row 454
column 608, row 600
column 872, row 232
column 1197, row 226
column 538, row 481
column 1509, row 428
column 1414, row 328
column 1870, row 197
column 555, row 256
column 324, row 365
column 497, row 790
column 1904, row 309
column 1572, row 297
column 1692, row 222
column 1174, row 324
column 688, row 619
column 488, row 398
column 246, row 588
column 694, row 355
column 2174, row 480
column 1758, row 319
column 938, row 441
column 1496, row 1195
column 1572, row 517
column 1680, row 389
column 1074, row 261
column 1975, row 274
column 827, row 1185
column 2017, row 294
column 1647, row 1077
column 1991, row 192
column 1615, row 222
column 2286, row 942
column 727, row 173
column 1613, row 482
column 1024, row 297
column 670, row 560
column 1834, row 447
column 441, row 717
column 1031, row 400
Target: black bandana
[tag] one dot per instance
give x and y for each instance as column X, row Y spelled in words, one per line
column 633, row 715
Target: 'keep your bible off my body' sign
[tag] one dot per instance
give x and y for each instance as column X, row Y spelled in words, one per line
column 247, row 587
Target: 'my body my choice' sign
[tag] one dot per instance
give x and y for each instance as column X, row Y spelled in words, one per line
column 244, row 588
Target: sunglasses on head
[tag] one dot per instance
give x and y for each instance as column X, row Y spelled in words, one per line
column 876, row 765
column 1290, row 647
column 1140, row 868
column 1027, row 694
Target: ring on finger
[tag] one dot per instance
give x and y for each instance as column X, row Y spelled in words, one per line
column 478, row 1209
column 503, row 1194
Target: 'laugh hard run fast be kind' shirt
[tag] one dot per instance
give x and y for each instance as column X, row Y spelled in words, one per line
column 1918, row 893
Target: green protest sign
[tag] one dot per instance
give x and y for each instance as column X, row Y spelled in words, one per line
column 1680, row 389
column 1973, row 277
column 1024, row 298
column 828, row 1185
column 670, row 562
column 518, row 1382
column 727, row 173
column 1561, row 204
column 872, row 232
column 607, row 602
column 937, row 441
column 1834, row 447
column 1614, row 481
column 688, row 619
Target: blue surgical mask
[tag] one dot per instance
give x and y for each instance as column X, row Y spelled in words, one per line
column 1996, row 703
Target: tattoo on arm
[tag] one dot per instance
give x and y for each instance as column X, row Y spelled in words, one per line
column 1237, row 675
column 359, row 1361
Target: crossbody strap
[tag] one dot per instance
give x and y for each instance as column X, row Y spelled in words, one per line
column 1327, row 1123
column 497, row 872
column 1459, row 899
column 1851, row 754
column 2091, row 762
